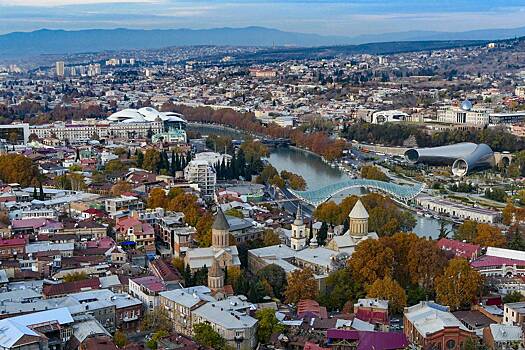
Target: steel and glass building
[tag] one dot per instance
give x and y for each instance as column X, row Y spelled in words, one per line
column 464, row 157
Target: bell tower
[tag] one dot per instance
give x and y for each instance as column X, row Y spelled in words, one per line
column 298, row 239
column 220, row 231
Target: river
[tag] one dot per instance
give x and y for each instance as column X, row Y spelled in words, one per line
column 318, row 174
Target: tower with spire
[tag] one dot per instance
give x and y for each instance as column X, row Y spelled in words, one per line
column 215, row 277
column 298, row 239
column 358, row 220
column 220, row 231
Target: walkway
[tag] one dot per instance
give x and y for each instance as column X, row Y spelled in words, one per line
column 400, row 192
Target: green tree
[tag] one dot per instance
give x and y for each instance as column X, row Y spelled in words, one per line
column 467, row 231
column 157, row 320
column 205, row 335
column 275, row 276
column 513, row 297
column 268, row 325
column 75, row 276
column 151, row 160
column 120, row 339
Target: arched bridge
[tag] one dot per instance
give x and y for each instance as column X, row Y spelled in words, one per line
column 321, row 195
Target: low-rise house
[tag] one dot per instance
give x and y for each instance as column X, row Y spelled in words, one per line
column 131, row 229
column 428, row 325
column 503, row 337
column 365, row 340
column 459, row 249
column 147, row 289
column 374, row 311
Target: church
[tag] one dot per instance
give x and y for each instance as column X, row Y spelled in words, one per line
column 357, row 231
column 301, row 254
column 220, row 254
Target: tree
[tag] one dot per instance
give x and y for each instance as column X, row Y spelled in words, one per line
column 301, row 285
column 157, row 198
column 205, row 335
column 115, row 166
column 16, row 168
column 139, row 158
column 235, row 213
column 151, row 160
column 178, row 263
column 341, row 288
column 270, row 238
column 75, row 276
column 425, row 262
column 157, row 320
column 388, row 289
column 373, row 173
column 459, row 284
column 467, row 231
column 120, row 187
column 268, row 325
column 496, row 194
column 370, row 261
column 489, row 236
column 276, row 277
column 120, row 339
column 513, row 297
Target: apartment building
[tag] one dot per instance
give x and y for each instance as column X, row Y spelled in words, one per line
column 203, row 174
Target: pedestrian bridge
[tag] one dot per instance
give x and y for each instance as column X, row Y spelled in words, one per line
column 400, row 192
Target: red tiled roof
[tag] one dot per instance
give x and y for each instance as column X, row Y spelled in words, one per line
column 460, row 249
column 370, row 340
column 70, row 287
column 12, row 242
column 486, row 261
column 165, row 270
column 152, row 283
column 308, row 306
column 372, row 316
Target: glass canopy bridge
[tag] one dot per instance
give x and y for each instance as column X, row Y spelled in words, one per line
column 402, row 193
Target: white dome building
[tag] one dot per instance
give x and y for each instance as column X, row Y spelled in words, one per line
column 172, row 128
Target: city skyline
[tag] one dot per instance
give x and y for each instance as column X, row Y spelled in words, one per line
column 326, row 17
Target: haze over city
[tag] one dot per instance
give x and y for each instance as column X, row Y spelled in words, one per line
column 262, row 175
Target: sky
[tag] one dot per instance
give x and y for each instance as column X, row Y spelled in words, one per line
column 327, row 17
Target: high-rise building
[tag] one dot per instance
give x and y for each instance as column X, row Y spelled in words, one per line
column 59, row 67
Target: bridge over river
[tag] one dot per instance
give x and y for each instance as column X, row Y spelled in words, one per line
column 402, row 193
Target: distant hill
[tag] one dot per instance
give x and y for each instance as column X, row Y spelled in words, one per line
column 19, row 44
column 481, row 34
column 45, row 41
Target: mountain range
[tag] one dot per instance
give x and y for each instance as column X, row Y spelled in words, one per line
column 45, row 41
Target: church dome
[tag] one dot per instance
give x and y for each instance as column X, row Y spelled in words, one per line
column 358, row 211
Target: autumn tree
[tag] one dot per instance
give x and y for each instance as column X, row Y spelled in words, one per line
column 75, row 276
column 157, row 198
column 373, row 173
column 16, row 168
column 120, row 339
column 120, row 187
column 459, row 284
column 151, row 160
column 401, row 244
column 388, row 289
column 267, row 325
column 489, row 236
column 466, row 231
column 370, row 261
column 301, row 285
column 425, row 262
column 270, row 237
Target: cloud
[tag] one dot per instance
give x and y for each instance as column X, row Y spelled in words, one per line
column 52, row 3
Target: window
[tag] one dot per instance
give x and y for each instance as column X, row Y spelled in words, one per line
column 451, row 344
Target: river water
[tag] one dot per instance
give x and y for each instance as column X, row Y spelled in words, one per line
column 318, row 174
